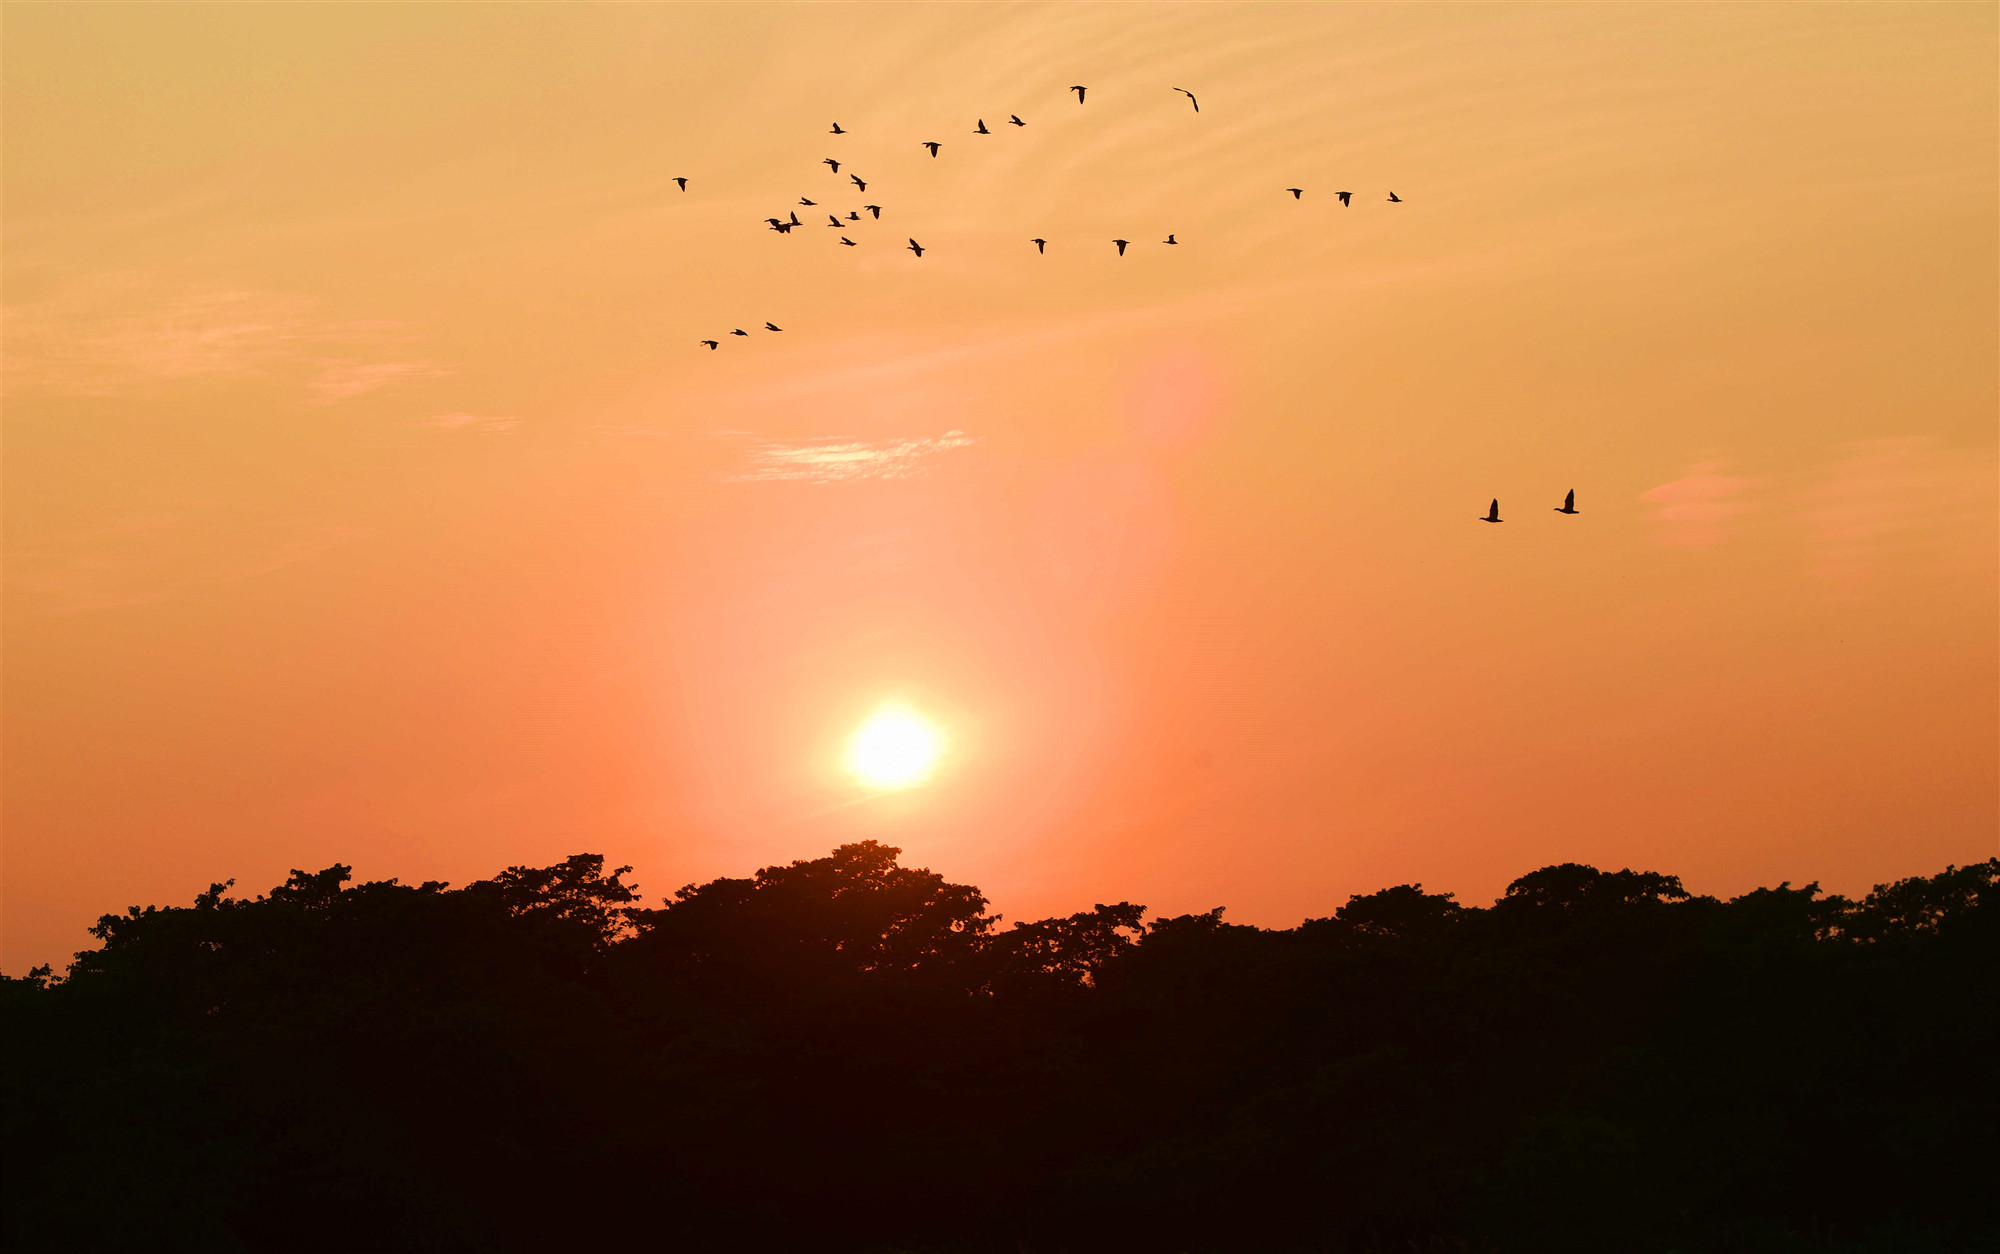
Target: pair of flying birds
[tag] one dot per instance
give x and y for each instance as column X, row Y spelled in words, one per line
column 1182, row 90
column 852, row 178
column 1567, row 507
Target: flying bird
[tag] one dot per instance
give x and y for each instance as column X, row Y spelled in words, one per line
column 874, row 209
column 1493, row 512
column 835, row 164
column 981, row 128
column 1170, row 235
column 1191, row 100
column 1041, row 245
column 1394, row 199
column 1079, row 94
column 771, row 327
column 1569, row 504
column 740, row 331
column 916, row 248
column 782, row 228
column 852, row 216
column 832, row 221
column 1344, row 198
column 856, row 180
column 713, row 344
column 932, row 145
column 1015, row 118
column 836, row 130
column 850, row 243
column 683, row 183
column 1296, row 192
column 1121, row 245
column 804, row 201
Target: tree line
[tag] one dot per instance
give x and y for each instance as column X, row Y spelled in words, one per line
column 849, row 1054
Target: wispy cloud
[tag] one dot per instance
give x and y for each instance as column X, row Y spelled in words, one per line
column 113, row 335
column 1901, row 505
column 103, row 337
column 1872, row 509
column 470, row 422
column 834, row 460
column 339, row 380
column 146, row 559
column 1699, row 508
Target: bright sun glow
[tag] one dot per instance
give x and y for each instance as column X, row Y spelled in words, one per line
column 894, row 748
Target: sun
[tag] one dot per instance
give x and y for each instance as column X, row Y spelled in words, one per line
column 894, row 748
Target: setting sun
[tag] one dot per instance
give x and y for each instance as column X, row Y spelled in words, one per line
column 894, row 748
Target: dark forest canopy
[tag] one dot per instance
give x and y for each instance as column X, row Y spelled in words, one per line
column 849, row 1054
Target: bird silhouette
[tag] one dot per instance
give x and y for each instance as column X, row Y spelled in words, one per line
column 832, row 221
column 1296, row 192
column 850, row 243
column 775, row 221
column 858, row 184
column 836, row 130
column 1079, row 94
column 1344, row 198
column 916, row 248
column 981, row 128
column 1191, row 100
column 782, row 228
column 1170, row 235
column 1569, row 504
column 1394, row 199
column 740, row 331
column 772, row 327
column 874, row 209
column 804, row 201
column 933, row 145
column 1041, row 245
column 1121, row 245
column 1015, row 118
column 713, row 344
column 852, row 216
column 683, row 183
column 1493, row 512
column 835, row 164
column 795, row 219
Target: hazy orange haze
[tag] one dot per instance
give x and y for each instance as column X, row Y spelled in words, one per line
column 369, row 498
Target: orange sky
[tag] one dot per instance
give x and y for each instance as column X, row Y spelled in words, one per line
column 368, row 497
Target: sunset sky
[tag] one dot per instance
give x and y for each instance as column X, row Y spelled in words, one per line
column 369, row 497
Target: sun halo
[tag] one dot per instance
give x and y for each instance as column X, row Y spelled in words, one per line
column 894, row 748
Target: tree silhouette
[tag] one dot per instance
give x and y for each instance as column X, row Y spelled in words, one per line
column 845, row 1053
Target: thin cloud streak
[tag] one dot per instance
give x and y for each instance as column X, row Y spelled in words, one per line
column 837, row 460
column 470, row 422
column 1901, row 505
column 116, row 335
column 1698, row 509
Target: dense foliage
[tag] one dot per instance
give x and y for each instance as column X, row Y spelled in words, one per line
column 846, row 1053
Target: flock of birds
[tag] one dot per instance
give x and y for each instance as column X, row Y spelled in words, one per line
column 790, row 222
